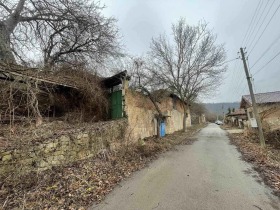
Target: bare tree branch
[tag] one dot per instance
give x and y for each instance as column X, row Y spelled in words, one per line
column 73, row 30
column 191, row 65
column 5, row 7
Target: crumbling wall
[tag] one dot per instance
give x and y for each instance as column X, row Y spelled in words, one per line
column 141, row 115
column 269, row 114
column 63, row 149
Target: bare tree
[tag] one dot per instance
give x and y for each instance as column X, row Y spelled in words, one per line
column 197, row 110
column 190, row 65
column 64, row 30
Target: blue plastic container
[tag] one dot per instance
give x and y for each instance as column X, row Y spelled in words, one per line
column 162, row 129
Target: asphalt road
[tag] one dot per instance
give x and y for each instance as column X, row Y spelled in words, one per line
column 208, row 174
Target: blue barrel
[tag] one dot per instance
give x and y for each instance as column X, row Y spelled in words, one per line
column 162, row 129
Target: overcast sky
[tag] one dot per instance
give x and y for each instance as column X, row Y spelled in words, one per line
column 140, row 20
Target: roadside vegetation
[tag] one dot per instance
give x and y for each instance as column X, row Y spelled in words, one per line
column 264, row 160
column 78, row 185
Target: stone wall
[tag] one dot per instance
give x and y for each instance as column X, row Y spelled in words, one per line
column 269, row 114
column 141, row 115
column 63, row 149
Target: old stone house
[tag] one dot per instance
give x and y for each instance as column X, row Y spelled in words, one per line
column 268, row 105
column 86, row 140
column 141, row 112
column 124, row 102
column 238, row 118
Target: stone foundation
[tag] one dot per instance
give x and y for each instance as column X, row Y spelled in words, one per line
column 64, row 149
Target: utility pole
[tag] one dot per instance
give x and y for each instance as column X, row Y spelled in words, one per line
column 259, row 123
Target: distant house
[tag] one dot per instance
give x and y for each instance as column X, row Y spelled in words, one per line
column 237, row 118
column 141, row 112
column 268, row 107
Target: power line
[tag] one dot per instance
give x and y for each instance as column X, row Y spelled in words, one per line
column 260, row 69
column 232, row 81
column 244, row 88
column 240, row 82
column 256, row 10
column 235, row 59
column 251, row 26
column 241, row 86
column 253, row 81
column 270, row 46
column 229, row 61
column 238, row 87
column 241, row 90
column 236, row 81
column 262, row 21
column 264, row 29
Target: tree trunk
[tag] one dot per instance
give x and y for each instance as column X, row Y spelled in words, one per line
column 158, row 127
column 185, row 118
column 6, row 54
column 159, row 117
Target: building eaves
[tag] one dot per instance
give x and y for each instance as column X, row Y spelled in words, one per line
column 114, row 80
column 262, row 98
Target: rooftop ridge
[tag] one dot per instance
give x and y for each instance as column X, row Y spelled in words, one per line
column 267, row 97
column 277, row 91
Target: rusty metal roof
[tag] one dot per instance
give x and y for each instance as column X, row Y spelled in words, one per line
column 262, row 98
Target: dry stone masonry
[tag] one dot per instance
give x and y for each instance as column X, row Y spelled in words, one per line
column 64, row 149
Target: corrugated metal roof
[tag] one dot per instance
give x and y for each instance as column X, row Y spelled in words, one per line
column 262, row 98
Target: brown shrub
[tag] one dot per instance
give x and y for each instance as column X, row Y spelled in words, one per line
column 74, row 93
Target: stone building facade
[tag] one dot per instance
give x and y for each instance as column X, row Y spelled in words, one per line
column 140, row 110
column 141, row 114
column 268, row 105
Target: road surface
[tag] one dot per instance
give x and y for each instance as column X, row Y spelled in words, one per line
column 206, row 175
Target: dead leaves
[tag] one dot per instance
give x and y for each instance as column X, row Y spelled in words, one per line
column 266, row 161
column 78, row 185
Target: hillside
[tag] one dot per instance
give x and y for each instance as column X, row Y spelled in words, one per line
column 219, row 108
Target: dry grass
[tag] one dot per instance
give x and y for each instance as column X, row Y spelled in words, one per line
column 78, row 185
column 72, row 92
column 27, row 135
column 265, row 160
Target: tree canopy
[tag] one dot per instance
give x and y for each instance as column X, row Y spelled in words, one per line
column 189, row 64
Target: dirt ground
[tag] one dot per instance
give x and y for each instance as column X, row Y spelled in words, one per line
column 77, row 185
